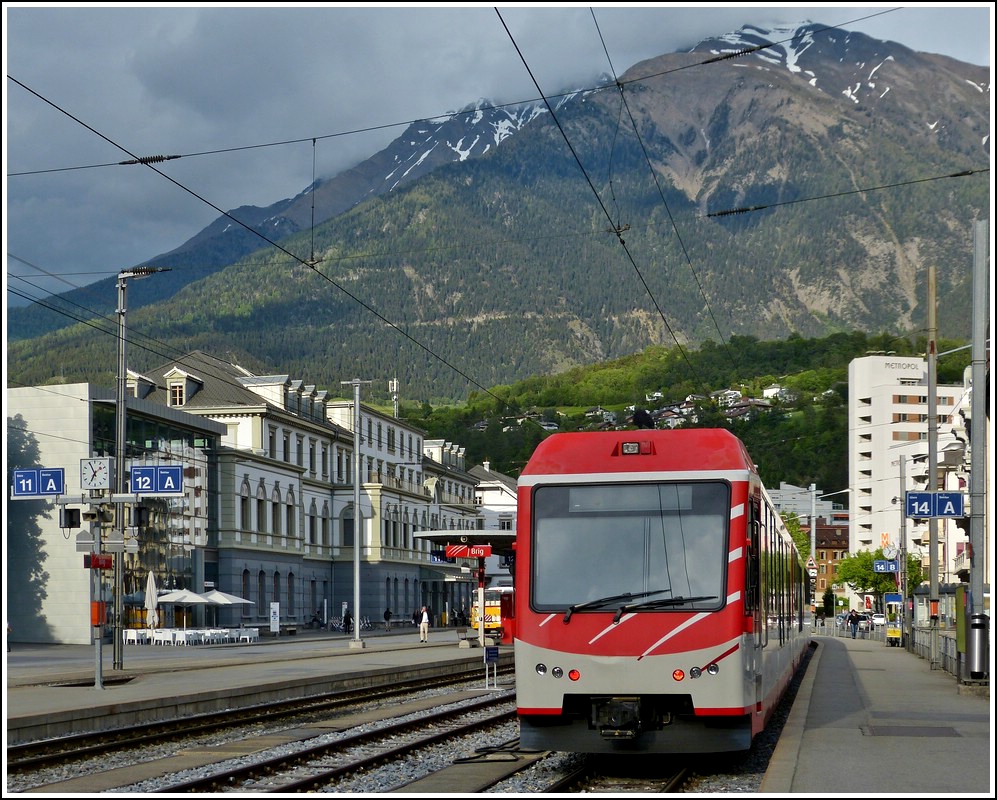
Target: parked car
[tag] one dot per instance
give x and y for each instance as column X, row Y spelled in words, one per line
column 839, row 619
column 865, row 622
column 878, row 619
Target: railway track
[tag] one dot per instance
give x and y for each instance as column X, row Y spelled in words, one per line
column 26, row 759
column 324, row 765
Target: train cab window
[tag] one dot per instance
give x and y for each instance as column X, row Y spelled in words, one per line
column 667, row 541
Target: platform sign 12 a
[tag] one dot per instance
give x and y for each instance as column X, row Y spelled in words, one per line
column 156, row 480
column 38, row 482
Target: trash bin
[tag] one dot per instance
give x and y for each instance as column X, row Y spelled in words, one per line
column 976, row 646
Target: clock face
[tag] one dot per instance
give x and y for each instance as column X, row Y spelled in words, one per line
column 95, row 473
column 889, row 553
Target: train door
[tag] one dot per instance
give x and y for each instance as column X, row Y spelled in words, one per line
column 508, row 614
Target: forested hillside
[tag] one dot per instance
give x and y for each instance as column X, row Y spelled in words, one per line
column 801, row 441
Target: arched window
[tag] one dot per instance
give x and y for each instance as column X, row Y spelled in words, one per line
column 276, row 586
column 276, row 523
column 245, row 508
column 261, row 598
column 312, row 523
column 348, row 527
column 292, row 527
column 246, row 593
column 290, row 594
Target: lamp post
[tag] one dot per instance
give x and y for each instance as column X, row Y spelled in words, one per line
column 813, row 526
column 813, row 515
column 121, row 428
column 932, row 464
column 357, row 642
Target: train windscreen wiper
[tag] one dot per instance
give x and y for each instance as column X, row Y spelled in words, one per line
column 664, row 602
column 605, row 601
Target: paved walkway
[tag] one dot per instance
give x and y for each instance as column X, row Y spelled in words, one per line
column 872, row 719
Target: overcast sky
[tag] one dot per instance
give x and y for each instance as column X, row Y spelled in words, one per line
column 87, row 86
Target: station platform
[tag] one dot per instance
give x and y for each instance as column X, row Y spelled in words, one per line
column 53, row 690
column 868, row 719
column 872, row 719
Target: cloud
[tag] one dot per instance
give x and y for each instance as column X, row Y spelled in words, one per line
column 89, row 85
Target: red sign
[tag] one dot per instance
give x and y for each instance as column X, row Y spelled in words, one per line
column 468, row 550
column 98, row 561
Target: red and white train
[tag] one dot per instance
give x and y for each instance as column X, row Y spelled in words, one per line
column 660, row 599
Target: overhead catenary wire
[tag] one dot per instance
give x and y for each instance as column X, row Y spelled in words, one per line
column 279, row 247
column 602, row 206
column 616, row 226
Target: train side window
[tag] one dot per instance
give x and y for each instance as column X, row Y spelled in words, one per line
column 751, row 578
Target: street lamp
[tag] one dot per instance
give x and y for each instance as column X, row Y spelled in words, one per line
column 357, row 642
column 813, row 515
column 120, row 414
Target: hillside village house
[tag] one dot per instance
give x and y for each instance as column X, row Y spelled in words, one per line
column 268, row 511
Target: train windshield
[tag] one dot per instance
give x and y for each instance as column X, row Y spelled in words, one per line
column 598, row 541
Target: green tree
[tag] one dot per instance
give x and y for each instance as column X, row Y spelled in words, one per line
column 827, row 603
column 800, row 536
column 858, row 574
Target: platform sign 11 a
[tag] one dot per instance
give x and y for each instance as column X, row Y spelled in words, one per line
column 38, row 482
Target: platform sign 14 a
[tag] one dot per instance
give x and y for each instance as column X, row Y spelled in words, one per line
column 934, row 504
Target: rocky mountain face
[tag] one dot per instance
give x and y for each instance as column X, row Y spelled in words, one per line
column 765, row 183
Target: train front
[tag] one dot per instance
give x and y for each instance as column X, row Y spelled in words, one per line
column 631, row 627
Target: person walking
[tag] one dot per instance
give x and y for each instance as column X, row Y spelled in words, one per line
column 853, row 621
column 347, row 622
column 424, row 625
column 387, row 619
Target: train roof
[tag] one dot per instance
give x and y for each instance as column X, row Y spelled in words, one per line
column 682, row 449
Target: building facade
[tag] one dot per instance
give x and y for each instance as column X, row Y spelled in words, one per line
column 888, row 449
column 268, row 511
column 49, row 590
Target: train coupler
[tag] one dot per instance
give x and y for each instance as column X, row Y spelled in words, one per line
column 617, row 717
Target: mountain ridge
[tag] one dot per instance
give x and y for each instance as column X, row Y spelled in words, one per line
column 758, row 132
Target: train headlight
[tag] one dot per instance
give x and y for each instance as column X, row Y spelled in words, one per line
column 678, row 675
column 557, row 672
column 713, row 669
column 541, row 669
column 695, row 672
column 574, row 674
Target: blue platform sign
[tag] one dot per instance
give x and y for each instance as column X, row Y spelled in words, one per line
column 885, row 566
column 38, row 482
column 934, row 504
column 949, row 504
column 156, row 480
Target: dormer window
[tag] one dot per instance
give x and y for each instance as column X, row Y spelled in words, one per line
column 181, row 386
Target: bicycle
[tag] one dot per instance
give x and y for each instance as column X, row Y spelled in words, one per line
column 365, row 624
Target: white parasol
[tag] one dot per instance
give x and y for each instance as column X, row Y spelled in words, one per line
column 151, row 601
column 220, row 598
column 224, row 599
column 184, row 597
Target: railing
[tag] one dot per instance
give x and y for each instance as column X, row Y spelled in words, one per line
column 917, row 641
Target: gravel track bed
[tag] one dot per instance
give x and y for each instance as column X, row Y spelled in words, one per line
column 735, row 774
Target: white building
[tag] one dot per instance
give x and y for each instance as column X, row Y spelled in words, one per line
column 887, row 432
column 496, row 496
column 269, row 506
column 49, row 591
